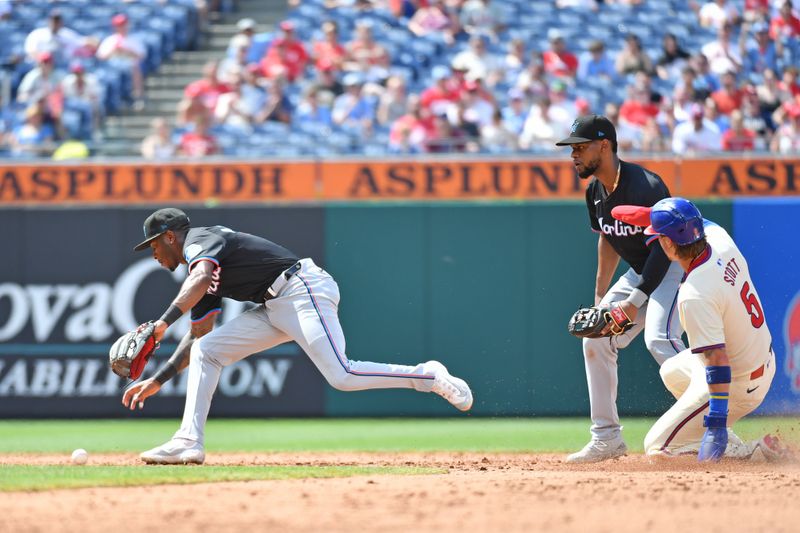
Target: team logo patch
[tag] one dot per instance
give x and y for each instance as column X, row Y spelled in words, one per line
column 574, row 126
column 791, row 332
column 619, row 228
column 192, row 251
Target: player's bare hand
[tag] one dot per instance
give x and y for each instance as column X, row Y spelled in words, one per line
column 136, row 394
column 160, row 329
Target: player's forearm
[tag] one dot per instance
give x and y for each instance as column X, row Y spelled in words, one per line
column 717, row 357
column 192, row 291
column 655, row 268
column 177, row 361
column 718, row 377
column 194, row 287
column 181, row 356
column 607, row 261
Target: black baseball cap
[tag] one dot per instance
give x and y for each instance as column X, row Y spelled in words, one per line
column 590, row 128
column 160, row 222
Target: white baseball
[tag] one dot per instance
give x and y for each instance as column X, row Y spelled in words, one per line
column 79, row 457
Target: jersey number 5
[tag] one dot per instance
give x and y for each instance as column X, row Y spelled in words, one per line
column 752, row 305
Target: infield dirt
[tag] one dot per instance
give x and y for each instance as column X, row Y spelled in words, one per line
column 479, row 492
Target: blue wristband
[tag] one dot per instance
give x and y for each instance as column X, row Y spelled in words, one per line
column 715, row 421
column 718, row 374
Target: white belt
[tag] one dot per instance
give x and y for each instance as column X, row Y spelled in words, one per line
column 281, row 281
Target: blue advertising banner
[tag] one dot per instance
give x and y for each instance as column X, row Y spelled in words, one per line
column 766, row 232
column 70, row 284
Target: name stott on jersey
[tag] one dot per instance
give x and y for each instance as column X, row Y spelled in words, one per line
column 245, row 265
column 637, row 186
column 719, row 306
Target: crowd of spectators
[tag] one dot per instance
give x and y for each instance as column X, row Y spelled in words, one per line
column 62, row 98
column 57, row 85
column 498, row 94
column 475, row 82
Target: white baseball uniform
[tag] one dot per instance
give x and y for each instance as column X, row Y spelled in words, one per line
column 719, row 308
column 298, row 303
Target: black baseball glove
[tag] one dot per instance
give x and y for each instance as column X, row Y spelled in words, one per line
column 591, row 322
column 129, row 354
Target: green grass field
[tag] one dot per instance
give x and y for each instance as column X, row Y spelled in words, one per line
column 37, row 478
column 467, row 434
column 297, row 435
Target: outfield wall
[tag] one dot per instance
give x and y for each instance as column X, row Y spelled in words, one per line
column 485, row 287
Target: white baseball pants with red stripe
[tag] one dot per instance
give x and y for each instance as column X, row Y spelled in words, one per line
column 662, row 336
column 305, row 311
column 685, row 377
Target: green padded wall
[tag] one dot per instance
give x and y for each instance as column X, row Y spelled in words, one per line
column 485, row 288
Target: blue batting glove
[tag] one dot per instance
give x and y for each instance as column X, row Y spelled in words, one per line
column 713, row 445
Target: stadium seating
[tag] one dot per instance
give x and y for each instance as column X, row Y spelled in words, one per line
column 414, row 57
column 163, row 28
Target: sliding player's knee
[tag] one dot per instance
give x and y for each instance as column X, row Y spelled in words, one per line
column 674, row 377
column 653, row 442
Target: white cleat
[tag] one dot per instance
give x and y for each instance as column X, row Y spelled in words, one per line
column 736, row 449
column 599, row 450
column 454, row 390
column 175, row 452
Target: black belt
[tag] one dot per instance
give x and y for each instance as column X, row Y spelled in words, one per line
column 287, row 274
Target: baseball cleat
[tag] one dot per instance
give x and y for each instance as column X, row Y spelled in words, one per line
column 599, row 450
column 175, row 452
column 736, row 448
column 454, row 390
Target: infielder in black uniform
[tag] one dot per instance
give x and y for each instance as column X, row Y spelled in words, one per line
column 297, row 301
column 648, row 289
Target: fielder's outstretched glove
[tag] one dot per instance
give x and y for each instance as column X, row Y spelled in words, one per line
column 590, row 322
column 130, row 353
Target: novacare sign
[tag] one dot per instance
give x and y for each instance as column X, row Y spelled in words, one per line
column 70, row 285
column 94, row 311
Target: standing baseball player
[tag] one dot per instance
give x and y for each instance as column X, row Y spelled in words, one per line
column 728, row 369
column 298, row 301
column 648, row 289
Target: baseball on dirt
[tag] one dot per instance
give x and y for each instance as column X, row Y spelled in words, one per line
column 79, row 457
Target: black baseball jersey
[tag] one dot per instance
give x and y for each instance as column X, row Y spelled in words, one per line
column 637, row 186
column 245, row 265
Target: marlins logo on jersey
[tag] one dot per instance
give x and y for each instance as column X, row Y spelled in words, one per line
column 792, row 338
